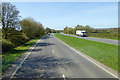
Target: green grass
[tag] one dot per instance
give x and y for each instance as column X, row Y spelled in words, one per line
column 11, row 56
column 105, row 53
column 104, row 37
column 113, row 36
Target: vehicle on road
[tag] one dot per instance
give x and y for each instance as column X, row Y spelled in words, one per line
column 81, row 33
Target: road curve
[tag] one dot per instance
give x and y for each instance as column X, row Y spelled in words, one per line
column 51, row 59
column 109, row 41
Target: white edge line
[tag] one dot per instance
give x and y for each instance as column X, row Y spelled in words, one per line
column 63, row 77
column 87, row 58
column 52, row 50
column 24, row 59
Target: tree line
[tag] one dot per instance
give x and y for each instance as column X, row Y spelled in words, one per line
column 110, row 33
column 70, row 30
column 49, row 30
column 16, row 32
column 90, row 30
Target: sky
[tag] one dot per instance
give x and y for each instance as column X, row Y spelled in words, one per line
column 61, row 0
column 57, row 15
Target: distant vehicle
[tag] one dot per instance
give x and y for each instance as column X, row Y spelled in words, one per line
column 81, row 33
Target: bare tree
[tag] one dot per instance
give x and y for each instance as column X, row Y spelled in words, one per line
column 10, row 18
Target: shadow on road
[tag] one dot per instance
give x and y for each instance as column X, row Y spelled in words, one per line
column 46, row 37
column 36, row 50
column 44, row 44
column 43, row 67
column 28, row 50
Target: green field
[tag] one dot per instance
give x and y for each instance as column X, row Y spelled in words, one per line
column 113, row 36
column 105, row 53
column 11, row 56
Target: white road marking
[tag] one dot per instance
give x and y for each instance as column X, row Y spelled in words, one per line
column 23, row 60
column 52, row 50
column 87, row 58
column 63, row 77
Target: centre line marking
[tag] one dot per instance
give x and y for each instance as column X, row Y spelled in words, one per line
column 63, row 77
column 52, row 50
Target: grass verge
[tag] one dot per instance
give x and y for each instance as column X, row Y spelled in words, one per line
column 102, row 36
column 105, row 38
column 11, row 56
column 113, row 36
column 105, row 53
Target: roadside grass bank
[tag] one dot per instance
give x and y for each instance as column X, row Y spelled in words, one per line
column 113, row 36
column 103, row 52
column 103, row 36
column 96, row 35
column 12, row 55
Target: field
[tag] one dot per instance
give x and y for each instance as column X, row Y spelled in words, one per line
column 105, row 35
column 105, row 53
column 15, row 53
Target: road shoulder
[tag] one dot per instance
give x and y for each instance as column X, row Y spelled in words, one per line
column 9, row 73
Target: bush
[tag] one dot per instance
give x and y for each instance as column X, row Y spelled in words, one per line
column 17, row 40
column 6, row 45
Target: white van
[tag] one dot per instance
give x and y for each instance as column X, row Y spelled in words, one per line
column 80, row 33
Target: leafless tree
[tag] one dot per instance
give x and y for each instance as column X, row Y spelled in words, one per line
column 10, row 18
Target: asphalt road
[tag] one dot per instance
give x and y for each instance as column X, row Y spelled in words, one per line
column 109, row 41
column 52, row 59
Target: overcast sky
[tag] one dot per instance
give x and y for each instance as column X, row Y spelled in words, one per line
column 58, row 15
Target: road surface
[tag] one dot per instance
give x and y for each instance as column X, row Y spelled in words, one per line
column 52, row 59
column 109, row 41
